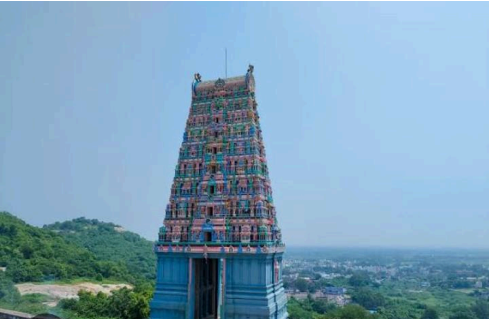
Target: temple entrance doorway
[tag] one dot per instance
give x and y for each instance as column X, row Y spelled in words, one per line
column 206, row 288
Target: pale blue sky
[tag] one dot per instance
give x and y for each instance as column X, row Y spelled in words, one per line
column 375, row 115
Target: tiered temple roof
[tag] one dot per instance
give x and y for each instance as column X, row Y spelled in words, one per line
column 221, row 197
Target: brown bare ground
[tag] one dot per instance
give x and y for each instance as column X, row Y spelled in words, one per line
column 65, row 291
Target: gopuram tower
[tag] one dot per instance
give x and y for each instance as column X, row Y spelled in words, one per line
column 220, row 249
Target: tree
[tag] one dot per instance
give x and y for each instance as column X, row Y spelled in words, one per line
column 430, row 313
column 312, row 287
column 481, row 309
column 461, row 284
column 122, row 304
column 463, row 313
column 349, row 312
column 322, row 306
column 397, row 309
column 287, row 282
column 8, row 292
column 368, row 298
column 297, row 311
column 359, row 279
column 301, row 284
column 37, row 254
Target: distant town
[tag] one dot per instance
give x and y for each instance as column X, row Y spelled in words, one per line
column 384, row 280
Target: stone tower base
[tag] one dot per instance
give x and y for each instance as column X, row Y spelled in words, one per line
column 245, row 286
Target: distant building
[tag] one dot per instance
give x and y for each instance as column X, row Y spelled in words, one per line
column 297, row 295
column 294, row 275
column 334, row 291
column 329, row 276
column 334, row 295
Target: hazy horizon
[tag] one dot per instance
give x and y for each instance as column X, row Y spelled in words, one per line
column 374, row 115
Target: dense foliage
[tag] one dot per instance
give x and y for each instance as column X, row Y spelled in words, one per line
column 110, row 242
column 430, row 313
column 32, row 254
column 359, row 279
column 123, row 304
column 11, row 299
column 310, row 308
column 368, row 298
column 320, row 309
column 8, row 293
column 76, row 250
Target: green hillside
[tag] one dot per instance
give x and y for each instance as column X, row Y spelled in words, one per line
column 35, row 254
column 78, row 250
column 110, row 242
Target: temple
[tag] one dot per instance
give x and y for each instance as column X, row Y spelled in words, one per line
column 220, row 248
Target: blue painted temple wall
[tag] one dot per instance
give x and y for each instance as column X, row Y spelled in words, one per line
column 250, row 289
